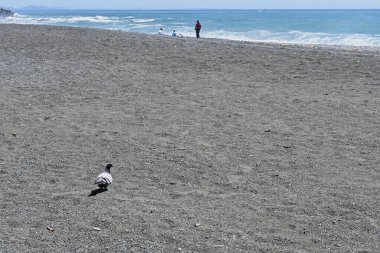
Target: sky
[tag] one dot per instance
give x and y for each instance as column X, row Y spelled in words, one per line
column 196, row 4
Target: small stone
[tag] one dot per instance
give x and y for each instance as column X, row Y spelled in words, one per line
column 96, row 228
column 197, row 224
column 50, row 228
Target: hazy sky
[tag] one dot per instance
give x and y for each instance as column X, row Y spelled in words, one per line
column 194, row 4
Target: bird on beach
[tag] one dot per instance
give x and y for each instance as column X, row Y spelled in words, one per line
column 104, row 179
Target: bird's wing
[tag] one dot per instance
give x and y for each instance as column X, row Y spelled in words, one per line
column 104, row 178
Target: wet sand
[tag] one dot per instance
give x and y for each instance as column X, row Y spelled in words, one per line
column 217, row 146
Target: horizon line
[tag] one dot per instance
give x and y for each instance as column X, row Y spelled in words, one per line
column 42, row 8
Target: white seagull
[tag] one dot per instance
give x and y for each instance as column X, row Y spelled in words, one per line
column 104, row 179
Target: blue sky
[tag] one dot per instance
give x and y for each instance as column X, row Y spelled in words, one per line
column 195, row 4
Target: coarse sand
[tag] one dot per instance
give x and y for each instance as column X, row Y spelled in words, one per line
column 217, row 146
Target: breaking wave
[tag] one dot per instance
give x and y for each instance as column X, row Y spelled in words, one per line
column 25, row 19
column 142, row 20
column 298, row 37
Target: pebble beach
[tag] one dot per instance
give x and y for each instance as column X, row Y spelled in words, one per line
column 216, row 145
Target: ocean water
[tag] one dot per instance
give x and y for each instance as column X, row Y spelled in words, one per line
column 327, row 27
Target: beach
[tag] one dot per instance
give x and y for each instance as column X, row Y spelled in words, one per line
column 217, row 145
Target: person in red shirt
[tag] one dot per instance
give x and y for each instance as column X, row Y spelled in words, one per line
column 198, row 27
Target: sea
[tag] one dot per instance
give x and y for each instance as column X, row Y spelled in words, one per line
column 322, row 27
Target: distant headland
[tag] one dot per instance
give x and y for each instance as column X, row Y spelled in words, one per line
column 5, row 13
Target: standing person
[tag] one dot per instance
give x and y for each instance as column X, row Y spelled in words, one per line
column 198, row 27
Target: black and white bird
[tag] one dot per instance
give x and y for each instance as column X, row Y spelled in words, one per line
column 104, row 179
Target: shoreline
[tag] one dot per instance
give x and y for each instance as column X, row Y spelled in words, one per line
column 370, row 49
column 216, row 146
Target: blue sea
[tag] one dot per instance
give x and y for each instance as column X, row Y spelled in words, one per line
column 327, row 27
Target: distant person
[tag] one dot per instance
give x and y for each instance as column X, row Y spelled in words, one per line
column 174, row 34
column 161, row 31
column 198, row 27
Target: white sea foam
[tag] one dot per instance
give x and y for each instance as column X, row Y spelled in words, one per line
column 298, row 37
column 18, row 15
column 142, row 20
column 96, row 19
column 24, row 19
column 144, row 26
column 18, row 19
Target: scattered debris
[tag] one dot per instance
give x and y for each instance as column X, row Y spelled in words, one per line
column 96, row 228
column 197, row 224
column 267, row 131
column 50, row 228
